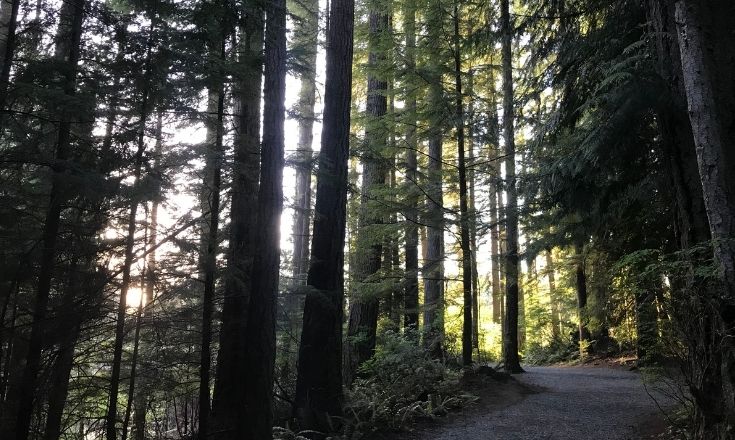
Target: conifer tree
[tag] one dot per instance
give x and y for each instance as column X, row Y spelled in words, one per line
column 364, row 300
column 464, row 223
column 227, row 402
column 433, row 270
column 411, row 295
column 144, row 105
column 319, row 383
column 67, row 52
column 8, row 26
column 216, row 29
column 260, row 331
column 305, row 40
column 510, row 340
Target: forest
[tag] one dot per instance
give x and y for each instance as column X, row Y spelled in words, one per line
column 294, row 219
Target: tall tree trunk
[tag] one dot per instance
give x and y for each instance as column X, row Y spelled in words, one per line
column 522, row 309
column 510, row 342
column 411, row 295
column 434, row 263
column 319, row 381
column 8, row 25
column 79, row 301
column 464, row 221
column 133, row 365
column 473, row 215
column 496, row 201
column 707, row 47
column 646, row 321
column 211, row 209
column 306, row 33
column 392, row 258
column 111, row 417
column 7, row 336
column 692, row 225
column 13, row 368
column 68, row 50
column 260, row 350
column 142, row 391
column 502, row 251
column 364, row 300
column 709, row 97
column 305, row 39
column 114, row 99
column 581, row 286
column 65, row 358
column 553, row 297
column 227, row 402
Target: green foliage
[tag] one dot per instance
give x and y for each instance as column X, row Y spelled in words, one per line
column 400, row 383
column 555, row 352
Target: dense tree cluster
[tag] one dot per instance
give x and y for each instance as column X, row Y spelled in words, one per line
column 459, row 182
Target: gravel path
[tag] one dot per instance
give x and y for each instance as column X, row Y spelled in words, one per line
column 575, row 404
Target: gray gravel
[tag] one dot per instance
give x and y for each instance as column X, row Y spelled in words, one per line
column 576, row 403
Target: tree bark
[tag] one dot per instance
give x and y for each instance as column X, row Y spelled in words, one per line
column 512, row 364
column 709, row 99
column 496, row 201
column 142, row 391
column 707, row 48
column 319, row 381
column 411, row 295
column 69, row 38
column 227, row 403
column 473, row 215
column 111, row 416
column 260, row 350
column 464, row 224
column 581, row 286
column 65, row 358
column 502, row 251
column 553, row 297
column 8, row 25
column 305, row 38
column 691, row 225
column 364, row 299
column 133, row 366
column 211, row 208
column 433, row 270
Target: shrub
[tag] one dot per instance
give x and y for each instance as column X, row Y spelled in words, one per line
column 400, row 383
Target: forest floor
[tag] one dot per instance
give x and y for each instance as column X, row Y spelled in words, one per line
column 559, row 403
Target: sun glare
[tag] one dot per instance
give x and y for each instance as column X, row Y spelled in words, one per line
column 134, row 297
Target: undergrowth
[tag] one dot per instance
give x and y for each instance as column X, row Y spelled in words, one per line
column 400, row 384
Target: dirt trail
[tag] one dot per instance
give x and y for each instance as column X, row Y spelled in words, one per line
column 573, row 404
